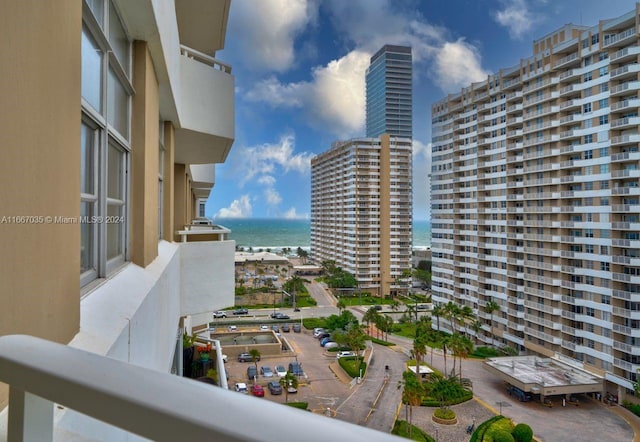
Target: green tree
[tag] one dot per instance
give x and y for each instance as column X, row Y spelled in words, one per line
column 286, row 381
column 369, row 317
column 461, row 347
column 356, row 340
column 452, row 312
column 341, row 305
column 419, row 350
column 412, row 394
column 385, row 323
column 342, row 321
column 302, row 254
column 476, row 326
column 438, row 311
column 491, row 307
column 522, row 433
column 255, row 356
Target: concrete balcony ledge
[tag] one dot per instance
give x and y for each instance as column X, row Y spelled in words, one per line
column 206, row 109
column 152, row 404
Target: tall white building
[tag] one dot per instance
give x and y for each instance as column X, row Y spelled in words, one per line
column 361, row 210
column 536, row 199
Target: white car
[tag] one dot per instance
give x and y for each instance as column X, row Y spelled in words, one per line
column 318, row 331
column 219, row 314
column 345, row 354
column 264, row 328
column 241, row 387
column 281, row 371
column 233, row 328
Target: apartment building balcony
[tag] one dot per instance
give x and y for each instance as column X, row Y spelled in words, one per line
column 627, row 331
column 625, row 123
column 620, row 39
column 568, row 345
column 571, row 74
column 540, row 84
column 624, row 88
column 554, row 325
column 570, row 104
column 627, row 366
column 542, row 98
column 130, row 398
column 508, row 84
column 205, row 109
column 625, row 139
column 567, row 61
column 626, row 313
column 626, row 348
column 544, row 336
column 541, row 140
column 625, row 105
column 625, row 54
column 626, row 173
column 571, row 89
column 543, row 307
column 627, row 71
column 513, row 96
column 625, row 295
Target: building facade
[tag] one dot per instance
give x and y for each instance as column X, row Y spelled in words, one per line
column 109, row 145
column 389, row 92
column 361, row 210
column 535, row 200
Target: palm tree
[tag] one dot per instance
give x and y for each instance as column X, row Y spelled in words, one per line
column 466, row 313
column 491, row 307
column 437, row 311
column 452, row 311
column 286, row 381
column 341, row 305
column 419, row 350
column 476, row 326
column 412, row 394
column 255, row 356
column 370, row 316
column 443, row 344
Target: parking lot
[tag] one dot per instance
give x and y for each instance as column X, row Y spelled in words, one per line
column 319, row 386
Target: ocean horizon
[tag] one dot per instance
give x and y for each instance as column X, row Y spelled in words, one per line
column 276, row 233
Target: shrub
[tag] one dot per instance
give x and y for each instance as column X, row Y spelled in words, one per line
column 300, row 405
column 478, row 435
column 381, row 342
column 401, row 428
column 444, row 413
column 311, row 323
column 522, row 433
column 502, row 436
column 634, row 408
column 351, row 367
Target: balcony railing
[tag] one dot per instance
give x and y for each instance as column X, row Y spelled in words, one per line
column 149, row 403
column 204, row 58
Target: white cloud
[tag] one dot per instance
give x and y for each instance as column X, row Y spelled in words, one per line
column 334, row 99
column 240, row 208
column 292, row 214
column 272, row 196
column 457, row 64
column 516, row 17
column 421, row 181
column 266, row 30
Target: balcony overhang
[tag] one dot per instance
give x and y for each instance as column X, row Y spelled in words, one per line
column 206, row 112
column 202, row 24
column 202, row 179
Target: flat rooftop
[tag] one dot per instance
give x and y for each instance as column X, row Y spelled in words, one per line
column 543, row 375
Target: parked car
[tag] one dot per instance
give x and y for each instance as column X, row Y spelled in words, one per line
column 275, row 388
column 285, row 328
column 297, row 328
column 296, row 368
column 329, row 345
column 266, row 371
column 241, row 387
column 257, row 390
column 318, row 331
column 280, row 370
column 241, row 311
column 276, row 329
column 522, row 396
column 422, row 307
column 377, row 307
column 345, row 354
column 326, row 340
column 246, row 357
column 291, row 388
column 233, row 327
column 323, row 335
column 264, row 328
column 279, row 315
column 219, row 314
column 252, row 373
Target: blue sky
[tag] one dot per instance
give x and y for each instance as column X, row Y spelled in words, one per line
column 299, row 69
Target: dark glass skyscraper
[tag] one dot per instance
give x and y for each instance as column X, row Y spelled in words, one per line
column 389, row 86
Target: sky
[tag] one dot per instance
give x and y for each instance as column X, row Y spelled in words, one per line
column 299, row 68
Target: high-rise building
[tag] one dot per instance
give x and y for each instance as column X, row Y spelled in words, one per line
column 389, row 92
column 361, row 210
column 536, row 200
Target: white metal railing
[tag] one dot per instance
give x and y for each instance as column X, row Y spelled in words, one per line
column 204, row 58
column 149, row 403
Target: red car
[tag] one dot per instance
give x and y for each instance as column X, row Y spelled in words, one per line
column 257, row 390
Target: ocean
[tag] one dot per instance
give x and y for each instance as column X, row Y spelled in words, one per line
column 275, row 233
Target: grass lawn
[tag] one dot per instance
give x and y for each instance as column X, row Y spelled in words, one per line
column 401, row 428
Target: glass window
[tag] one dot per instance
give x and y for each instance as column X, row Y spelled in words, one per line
column 91, row 83
column 118, row 105
column 118, row 39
